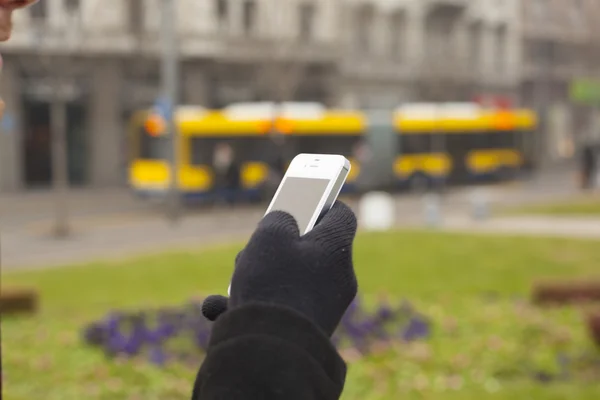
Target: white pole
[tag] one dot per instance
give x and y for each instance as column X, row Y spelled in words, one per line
column 59, row 124
column 60, row 164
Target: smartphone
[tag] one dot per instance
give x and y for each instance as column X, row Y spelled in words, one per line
column 309, row 188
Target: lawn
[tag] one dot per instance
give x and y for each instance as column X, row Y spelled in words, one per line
column 487, row 339
column 585, row 206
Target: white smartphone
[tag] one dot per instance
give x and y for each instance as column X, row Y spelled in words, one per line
column 309, row 188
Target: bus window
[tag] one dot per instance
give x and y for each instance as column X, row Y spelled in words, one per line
column 245, row 148
column 153, row 147
column 459, row 143
column 503, row 140
column 482, row 140
column 416, row 143
column 254, row 148
column 202, row 150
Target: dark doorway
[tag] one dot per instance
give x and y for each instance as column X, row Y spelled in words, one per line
column 37, row 144
column 38, row 162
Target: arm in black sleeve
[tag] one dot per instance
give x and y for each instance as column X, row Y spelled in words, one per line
column 260, row 351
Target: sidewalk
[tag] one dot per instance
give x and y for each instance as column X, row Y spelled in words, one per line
column 112, row 224
column 25, row 249
column 584, row 228
column 22, row 250
column 21, row 208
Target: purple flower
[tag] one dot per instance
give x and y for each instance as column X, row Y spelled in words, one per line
column 179, row 333
column 116, row 344
column 417, row 328
column 113, row 322
column 385, row 313
column 158, row 356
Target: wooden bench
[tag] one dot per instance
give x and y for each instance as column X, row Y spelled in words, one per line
column 566, row 293
column 18, row 301
column 570, row 293
column 593, row 321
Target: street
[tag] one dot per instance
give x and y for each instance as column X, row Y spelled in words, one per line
column 112, row 224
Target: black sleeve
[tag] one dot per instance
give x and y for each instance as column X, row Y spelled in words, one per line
column 268, row 352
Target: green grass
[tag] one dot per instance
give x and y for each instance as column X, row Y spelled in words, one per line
column 585, row 206
column 445, row 275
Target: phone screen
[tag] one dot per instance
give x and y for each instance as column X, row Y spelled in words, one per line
column 300, row 197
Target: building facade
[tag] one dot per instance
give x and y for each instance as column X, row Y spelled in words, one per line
column 348, row 53
column 561, row 44
column 107, row 54
column 411, row 50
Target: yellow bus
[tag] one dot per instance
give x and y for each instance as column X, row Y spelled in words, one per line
column 251, row 129
column 325, row 131
column 460, row 142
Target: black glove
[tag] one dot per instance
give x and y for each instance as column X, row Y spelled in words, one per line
column 312, row 274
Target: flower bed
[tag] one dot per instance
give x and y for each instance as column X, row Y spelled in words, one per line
column 181, row 334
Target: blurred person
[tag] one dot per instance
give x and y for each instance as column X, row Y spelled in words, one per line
column 271, row 338
column 588, row 166
column 227, row 173
column 363, row 154
column 277, row 165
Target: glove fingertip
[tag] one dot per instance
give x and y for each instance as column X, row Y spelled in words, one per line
column 280, row 222
column 214, row 306
column 341, row 218
column 344, row 209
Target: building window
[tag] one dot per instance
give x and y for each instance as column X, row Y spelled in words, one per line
column 539, row 9
column 397, row 30
column 542, row 51
column 39, row 10
column 72, row 5
column 441, row 42
column 306, row 21
column 576, row 11
column 249, row 15
column 222, row 11
column 136, row 16
column 475, row 48
column 364, row 26
column 501, row 49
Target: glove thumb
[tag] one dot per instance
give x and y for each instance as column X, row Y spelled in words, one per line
column 214, row 306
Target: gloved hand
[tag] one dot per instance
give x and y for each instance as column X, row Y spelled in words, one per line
column 312, row 274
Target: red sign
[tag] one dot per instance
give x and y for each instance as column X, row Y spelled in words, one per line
column 492, row 101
